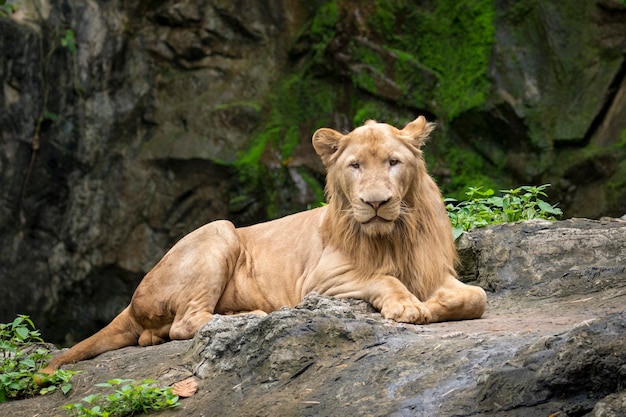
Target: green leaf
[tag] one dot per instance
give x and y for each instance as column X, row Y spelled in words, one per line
column 90, row 398
column 546, row 207
column 48, row 115
column 47, row 390
column 457, row 232
column 29, row 363
column 69, row 40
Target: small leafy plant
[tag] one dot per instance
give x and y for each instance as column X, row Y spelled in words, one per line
column 127, row 400
column 69, row 40
column 483, row 208
column 7, row 9
column 22, row 353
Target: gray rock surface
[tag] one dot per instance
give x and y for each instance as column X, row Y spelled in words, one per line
column 553, row 340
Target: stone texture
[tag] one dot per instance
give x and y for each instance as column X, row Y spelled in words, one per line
column 578, row 255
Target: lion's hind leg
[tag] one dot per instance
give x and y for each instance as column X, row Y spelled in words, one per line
column 151, row 337
column 185, row 326
column 455, row 300
column 190, row 281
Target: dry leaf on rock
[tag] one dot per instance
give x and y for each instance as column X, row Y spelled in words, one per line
column 185, row 388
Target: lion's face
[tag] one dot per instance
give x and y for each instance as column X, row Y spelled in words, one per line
column 372, row 169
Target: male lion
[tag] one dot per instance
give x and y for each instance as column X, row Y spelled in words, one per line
column 384, row 237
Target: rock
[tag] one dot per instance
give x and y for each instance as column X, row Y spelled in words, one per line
column 611, row 405
column 553, row 342
column 578, row 255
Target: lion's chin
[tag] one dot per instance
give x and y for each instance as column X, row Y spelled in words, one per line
column 377, row 226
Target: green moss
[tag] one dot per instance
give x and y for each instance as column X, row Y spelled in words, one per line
column 367, row 108
column 323, row 26
column 364, row 76
column 467, row 168
column 451, row 41
column 297, row 106
column 413, row 77
column 437, row 55
column 314, row 185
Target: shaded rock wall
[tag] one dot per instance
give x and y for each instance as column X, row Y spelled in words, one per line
column 116, row 145
column 557, row 112
column 123, row 127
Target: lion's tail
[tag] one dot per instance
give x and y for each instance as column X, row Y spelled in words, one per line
column 122, row 331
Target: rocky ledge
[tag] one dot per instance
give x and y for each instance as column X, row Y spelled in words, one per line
column 553, row 342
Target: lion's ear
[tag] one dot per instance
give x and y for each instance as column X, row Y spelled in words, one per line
column 419, row 129
column 326, row 143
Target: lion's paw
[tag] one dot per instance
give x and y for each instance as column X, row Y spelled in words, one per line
column 406, row 312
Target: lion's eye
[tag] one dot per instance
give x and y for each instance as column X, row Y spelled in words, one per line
column 393, row 162
column 355, row 165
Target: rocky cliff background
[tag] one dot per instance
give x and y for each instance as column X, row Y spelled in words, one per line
column 125, row 125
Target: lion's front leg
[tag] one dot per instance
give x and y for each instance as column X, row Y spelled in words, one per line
column 394, row 301
column 405, row 309
column 386, row 293
column 455, row 300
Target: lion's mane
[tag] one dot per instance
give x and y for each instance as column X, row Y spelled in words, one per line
column 420, row 250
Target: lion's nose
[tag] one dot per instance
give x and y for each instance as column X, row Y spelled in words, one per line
column 375, row 204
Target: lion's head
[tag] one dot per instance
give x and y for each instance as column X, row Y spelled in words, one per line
column 372, row 171
column 384, row 210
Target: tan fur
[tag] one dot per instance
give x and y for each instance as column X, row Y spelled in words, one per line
column 384, row 237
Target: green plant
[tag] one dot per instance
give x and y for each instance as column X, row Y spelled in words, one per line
column 7, row 8
column 21, row 355
column 484, row 207
column 127, row 400
column 69, row 40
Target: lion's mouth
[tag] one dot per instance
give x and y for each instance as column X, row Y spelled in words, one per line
column 377, row 219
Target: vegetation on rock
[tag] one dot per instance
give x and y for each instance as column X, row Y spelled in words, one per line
column 22, row 353
column 131, row 397
column 483, row 208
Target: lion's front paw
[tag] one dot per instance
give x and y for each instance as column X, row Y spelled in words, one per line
column 406, row 312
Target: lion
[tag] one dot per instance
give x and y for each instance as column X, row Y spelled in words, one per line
column 383, row 237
